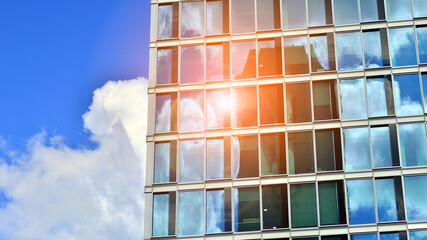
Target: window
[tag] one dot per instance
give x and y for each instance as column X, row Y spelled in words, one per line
column 417, row 235
column 168, row 21
column 164, row 162
column 269, row 57
column 268, row 14
column 419, row 8
column 399, row 9
column 243, row 60
column 242, row 16
column 319, row 12
column 275, row 206
column 245, row 107
column 389, row 197
column 192, row 19
column 166, row 112
column 346, row 12
column 218, row 211
column 218, row 108
column 191, row 115
column 216, row 17
column 163, row 214
column 415, row 196
column 353, row 99
column 335, row 237
column 384, row 146
column 298, row 103
column 245, row 150
column 296, row 55
column 271, row 104
column 357, row 155
column 393, row 236
column 167, row 64
column 191, row 158
column 294, row 14
column 192, row 64
column 372, row 10
column 376, row 48
column 303, row 205
column 349, row 51
column 273, row 154
column 246, row 209
column 325, row 100
column 402, row 46
column 217, row 61
column 407, row 93
column 218, row 156
column 190, row 213
column 424, row 83
column 332, row 203
column 364, row 237
column 361, row 206
column 328, row 150
column 322, row 52
column 422, row 43
column 300, row 150
column 380, row 97
column 413, row 146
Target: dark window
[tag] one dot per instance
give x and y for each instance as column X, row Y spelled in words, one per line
column 275, row 206
column 271, row 104
column 303, row 205
column 273, row 154
column 300, row 152
column 332, row 203
column 246, row 209
column 298, row 103
column 296, row 55
column 328, row 150
column 269, row 57
column 325, row 100
column 245, row 150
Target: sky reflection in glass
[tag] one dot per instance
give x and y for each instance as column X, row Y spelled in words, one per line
column 192, row 64
column 215, row 62
column 349, row 49
column 381, row 147
column 369, row 10
column 424, row 83
column 416, row 195
column 160, row 214
column 191, row 111
column 321, row 48
column 386, row 200
column 162, row 162
column 165, row 21
column 192, row 19
column 191, row 158
column 364, row 237
column 390, row 236
column 372, row 49
column 294, row 14
column 422, row 43
column 215, row 158
column 353, row 99
column 413, row 146
column 163, row 113
column 361, row 204
column 399, row 9
column 214, row 17
column 418, row 235
column 357, row 153
column 407, row 94
column 377, row 100
column 243, row 56
column 402, row 46
column 218, row 108
column 316, row 13
column 215, row 211
column 420, row 9
column 346, row 12
column 164, row 66
column 191, row 213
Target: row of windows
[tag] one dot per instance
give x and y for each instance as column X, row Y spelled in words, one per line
column 211, row 18
column 302, row 55
column 246, row 156
column 380, row 96
column 282, row 206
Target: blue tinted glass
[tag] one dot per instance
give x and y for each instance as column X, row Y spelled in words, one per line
column 165, row 22
column 369, row 10
column 364, row 237
column 192, row 64
column 418, row 235
column 372, row 49
column 381, row 147
column 420, row 8
column 191, row 112
column 422, row 43
column 242, row 16
column 215, row 158
column 215, row 211
column 161, row 162
column 413, row 146
column 192, row 19
column 424, row 82
column 389, row 236
column 293, row 14
column 386, row 200
column 361, row 201
column 160, row 215
column 349, row 50
column 399, row 9
column 190, row 213
column 407, row 94
column 416, row 195
column 191, row 155
column 353, row 99
column 346, row 12
column 377, row 100
column 357, row 155
column 316, row 13
column 402, row 47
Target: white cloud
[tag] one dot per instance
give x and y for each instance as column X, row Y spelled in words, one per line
column 57, row 192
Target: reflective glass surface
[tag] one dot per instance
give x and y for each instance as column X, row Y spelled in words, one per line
column 164, row 66
column 215, row 211
column 420, row 9
column 361, row 206
column 389, row 199
column 162, row 162
column 191, row 158
column 275, row 206
column 322, row 53
column 216, row 68
column 328, row 150
column 242, row 16
column 325, row 100
column 214, row 17
column 214, row 158
column 418, row 235
column 346, row 12
column 422, row 43
column 319, row 13
column 191, row 213
column 163, row 112
column 268, row 14
column 303, row 205
column 415, row 196
column 369, row 10
column 407, row 94
column 192, row 64
column 399, row 9
column 165, row 21
column 269, row 57
column 424, row 83
column 349, row 51
column 245, row 156
column 300, row 152
column 160, row 215
column 218, row 108
column 246, row 209
column 331, row 203
column 373, row 49
column 271, row 104
column 393, row 236
column 294, row 14
column 243, row 56
column 298, row 103
column 273, row 154
column 402, row 46
column 413, row 146
column 192, row 19
column 353, row 99
column 296, row 55
column 245, row 107
column 191, row 111
column 377, row 98
column 357, row 153
column 381, row 147
column 364, row 237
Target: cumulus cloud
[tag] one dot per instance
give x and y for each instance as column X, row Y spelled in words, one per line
column 55, row 192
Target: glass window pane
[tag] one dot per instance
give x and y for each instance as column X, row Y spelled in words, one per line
column 246, row 209
column 424, row 82
column 165, row 112
column 303, row 205
column 214, row 158
column 420, row 9
column 167, row 27
column 380, row 102
column 353, row 99
column 361, row 204
column 294, row 14
column 298, row 103
column 369, row 10
column 167, row 63
column 322, row 53
column 418, row 235
column 346, row 12
column 399, row 9
column 245, row 156
column 192, row 19
column 218, row 108
column 243, row 60
column 325, row 100
column 381, row 146
column 349, row 51
column 217, row 62
column 402, row 47
column 271, row 104
column 389, row 199
column 296, row 55
column 422, row 43
column 242, row 16
column 215, row 13
column 375, row 45
column 357, row 155
column 245, row 107
column 301, row 155
column 191, row 158
column 191, row 112
column 331, row 203
column 364, row 237
column 269, row 57
column 191, row 213
column 160, row 215
column 192, row 64
column 407, row 95
column 393, row 236
column 162, row 165
column 268, row 14
column 273, row 154
column 328, row 150
column 413, row 146
column 274, row 206
column 416, row 195
column 319, row 13
column 217, row 212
